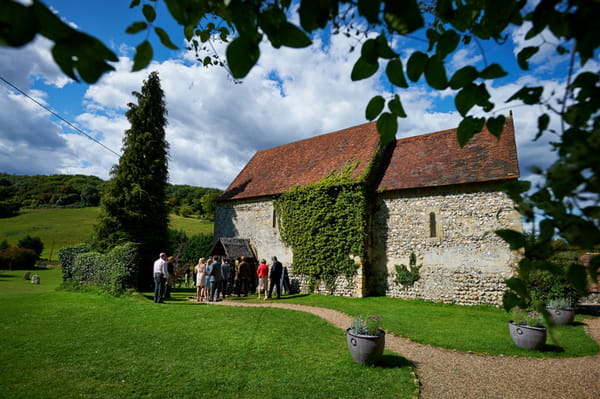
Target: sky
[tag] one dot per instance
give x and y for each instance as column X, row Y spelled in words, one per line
column 215, row 124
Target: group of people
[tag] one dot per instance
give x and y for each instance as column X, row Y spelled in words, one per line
column 216, row 278
column 164, row 277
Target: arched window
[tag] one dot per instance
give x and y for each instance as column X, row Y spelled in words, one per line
column 432, row 225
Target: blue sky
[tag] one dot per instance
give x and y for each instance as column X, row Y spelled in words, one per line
column 215, row 125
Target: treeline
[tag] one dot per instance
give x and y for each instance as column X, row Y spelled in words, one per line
column 76, row 191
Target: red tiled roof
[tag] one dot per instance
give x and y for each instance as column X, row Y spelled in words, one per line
column 436, row 159
column 429, row 160
column 303, row 162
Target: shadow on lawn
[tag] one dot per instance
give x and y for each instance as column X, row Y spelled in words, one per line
column 394, row 362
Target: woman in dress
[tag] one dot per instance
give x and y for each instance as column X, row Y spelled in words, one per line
column 200, row 270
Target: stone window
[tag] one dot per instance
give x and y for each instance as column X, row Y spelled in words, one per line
column 274, row 221
column 432, row 225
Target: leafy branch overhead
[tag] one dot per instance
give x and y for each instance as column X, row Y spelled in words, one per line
column 569, row 196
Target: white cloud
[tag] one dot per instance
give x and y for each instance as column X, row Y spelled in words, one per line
column 215, row 126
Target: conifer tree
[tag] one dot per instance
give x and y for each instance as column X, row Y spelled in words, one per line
column 133, row 207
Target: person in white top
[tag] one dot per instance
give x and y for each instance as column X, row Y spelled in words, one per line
column 160, row 276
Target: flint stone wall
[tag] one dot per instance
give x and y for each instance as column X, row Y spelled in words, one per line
column 465, row 263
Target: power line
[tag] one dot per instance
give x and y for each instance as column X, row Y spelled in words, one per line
column 58, row 116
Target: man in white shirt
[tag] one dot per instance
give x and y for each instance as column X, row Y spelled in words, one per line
column 160, row 276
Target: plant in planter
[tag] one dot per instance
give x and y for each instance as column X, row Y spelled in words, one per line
column 561, row 311
column 526, row 329
column 366, row 339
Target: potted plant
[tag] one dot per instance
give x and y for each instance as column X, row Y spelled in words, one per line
column 366, row 339
column 561, row 311
column 526, row 329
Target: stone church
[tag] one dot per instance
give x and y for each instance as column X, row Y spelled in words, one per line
column 433, row 198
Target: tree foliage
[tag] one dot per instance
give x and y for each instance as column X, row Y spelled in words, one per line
column 566, row 201
column 133, row 207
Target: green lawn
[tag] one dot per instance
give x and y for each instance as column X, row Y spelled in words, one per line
column 66, row 344
column 59, row 227
column 481, row 329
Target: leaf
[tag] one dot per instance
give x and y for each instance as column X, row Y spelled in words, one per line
column 543, row 122
column 149, row 12
column 496, row 125
column 292, row 36
column 515, row 239
column 447, row 43
column 465, row 99
column 395, row 105
column 529, row 95
column 518, row 285
column 369, row 9
column 134, row 3
column 510, row 300
column 165, row 39
column 463, row 77
column 395, row 73
column 577, row 275
column 387, row 126
column 242, row 54
column 143, row 55
column 17, row 24
column 403, row 16
column 468, row 128
column 363, row 69
column 493, row 71
column 435, row 73
column 136, row 27
column 188, row 32
column 416, row 65
column 383, row 48
column 524, row 56
column 374, row 107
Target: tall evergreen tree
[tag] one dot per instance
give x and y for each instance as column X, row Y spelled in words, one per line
column 133, row 204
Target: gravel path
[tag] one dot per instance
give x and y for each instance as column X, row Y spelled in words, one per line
column 448, row 374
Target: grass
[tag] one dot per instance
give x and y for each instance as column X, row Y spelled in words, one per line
column 481, row 329
column 60, row 227
column 70, row 344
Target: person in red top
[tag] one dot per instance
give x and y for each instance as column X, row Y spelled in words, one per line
column 263, row 274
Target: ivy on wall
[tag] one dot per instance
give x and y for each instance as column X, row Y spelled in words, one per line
column 325, row 224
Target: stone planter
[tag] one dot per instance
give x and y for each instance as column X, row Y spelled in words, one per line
column 527, row 337
column 366, row 349
column 562, row 317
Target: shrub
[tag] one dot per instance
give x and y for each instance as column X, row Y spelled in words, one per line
column 33, row 243
column 405, row 276
column 17, row 259
column 67, row 255
column 4, row 245
column 112, row 272
column 196, row 246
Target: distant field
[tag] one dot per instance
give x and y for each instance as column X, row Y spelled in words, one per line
column 59, row 227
